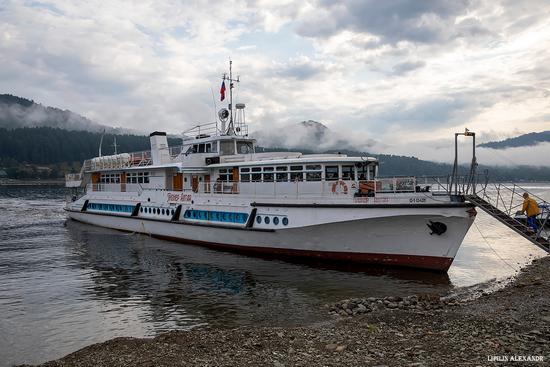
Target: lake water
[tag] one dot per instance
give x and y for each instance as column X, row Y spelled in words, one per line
column 66, row 285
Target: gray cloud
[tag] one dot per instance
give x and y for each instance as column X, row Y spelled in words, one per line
column 392, row 21
column 407, row 66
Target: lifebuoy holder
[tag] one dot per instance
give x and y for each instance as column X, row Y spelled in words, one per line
column 339, row 187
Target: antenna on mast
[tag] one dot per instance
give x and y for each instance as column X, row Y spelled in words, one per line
column 101, row 141
column 231, row 128
column 114, row 144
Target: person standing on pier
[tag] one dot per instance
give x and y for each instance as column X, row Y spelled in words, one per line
column 531, row 209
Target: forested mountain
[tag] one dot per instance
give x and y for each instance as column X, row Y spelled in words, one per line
column 58, row 150
column 519, row 141
column 17, row 112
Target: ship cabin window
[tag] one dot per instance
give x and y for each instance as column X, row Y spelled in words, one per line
column 110, row 178
column 296, row 173
column 331, row 173
column 245, row 147
column 348, row 172
column 313, row 172
column 281, row 175
column 225, row 175
column 245, row 175
column 137, row 177
column 268, row 174
column 202, row 148
column 227, row 147
column 366, row 171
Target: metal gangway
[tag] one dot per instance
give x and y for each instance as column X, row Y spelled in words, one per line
column 503, row 202
column 499, row 200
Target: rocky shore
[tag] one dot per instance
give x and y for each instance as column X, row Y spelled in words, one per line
column 510, row 326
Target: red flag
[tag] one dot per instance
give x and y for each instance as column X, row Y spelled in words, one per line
column 222, row 91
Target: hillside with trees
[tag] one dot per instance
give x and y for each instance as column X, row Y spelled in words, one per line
column 524, row 140
column 45, row 152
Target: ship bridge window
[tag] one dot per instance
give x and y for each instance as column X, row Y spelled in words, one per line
column 331, row 173
column 202, row 148
column 348, row 172
column 227, row 147
column 245, row 147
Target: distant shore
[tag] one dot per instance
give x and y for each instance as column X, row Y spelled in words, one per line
column 510, row 326
column 34, row 182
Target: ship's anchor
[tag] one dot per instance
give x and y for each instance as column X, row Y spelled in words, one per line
column 437, row 227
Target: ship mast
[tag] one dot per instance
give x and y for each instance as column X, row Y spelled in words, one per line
column 231, row 128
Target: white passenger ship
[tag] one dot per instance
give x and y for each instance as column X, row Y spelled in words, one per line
column 216, row 190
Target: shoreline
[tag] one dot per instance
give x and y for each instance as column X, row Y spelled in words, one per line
column 510, row 325
column 13, row 182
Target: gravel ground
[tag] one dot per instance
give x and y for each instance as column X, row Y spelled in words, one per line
column 507, row 327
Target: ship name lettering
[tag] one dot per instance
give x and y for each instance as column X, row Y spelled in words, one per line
column 417, row 200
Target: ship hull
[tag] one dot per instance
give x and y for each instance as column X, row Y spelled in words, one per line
column 403, row 239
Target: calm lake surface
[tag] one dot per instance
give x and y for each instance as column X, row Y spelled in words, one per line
column 66, row 285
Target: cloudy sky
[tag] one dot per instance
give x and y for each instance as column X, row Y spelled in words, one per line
column 404, row 74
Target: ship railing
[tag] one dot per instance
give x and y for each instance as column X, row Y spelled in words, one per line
column 73, row 177
column 201, row 131
column 300, row 188
column 126, row 160
column 114, row 187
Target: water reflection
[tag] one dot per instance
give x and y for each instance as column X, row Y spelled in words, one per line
column 186, row 284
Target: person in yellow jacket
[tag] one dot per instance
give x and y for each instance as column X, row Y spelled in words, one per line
column 531, row 209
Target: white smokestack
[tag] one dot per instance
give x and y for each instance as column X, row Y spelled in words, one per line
column 159, row 148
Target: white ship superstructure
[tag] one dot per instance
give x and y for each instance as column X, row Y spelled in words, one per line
column 216, row 190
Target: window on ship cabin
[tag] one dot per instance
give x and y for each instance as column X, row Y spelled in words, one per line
column 296, row 176
column 282, row 177
column 208, row 148
column 244, row 147
column 245, row 177
column 313, row 172
column 331, row 173
column 348, row 172
column 202, row 148
column 227, row 147
column 268, row 177
column 313, row 176
column 256, row 177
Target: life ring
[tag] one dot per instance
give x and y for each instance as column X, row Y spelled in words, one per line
column 339, row 187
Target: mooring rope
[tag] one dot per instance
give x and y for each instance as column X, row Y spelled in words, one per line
column 489, row 245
